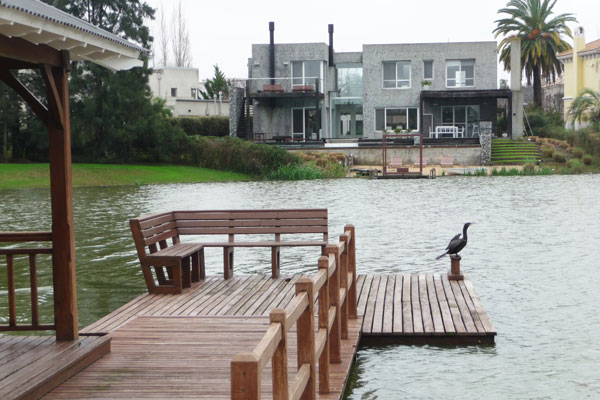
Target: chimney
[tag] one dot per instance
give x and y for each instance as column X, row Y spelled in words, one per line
column 331, row 64
column 578, row 46
column 272, row 52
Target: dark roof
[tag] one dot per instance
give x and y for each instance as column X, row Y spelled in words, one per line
column 43, row 10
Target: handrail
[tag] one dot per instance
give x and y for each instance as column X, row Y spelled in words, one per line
column 335, row 283
column 11, row 253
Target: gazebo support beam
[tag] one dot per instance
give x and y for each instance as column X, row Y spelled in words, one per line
column 61, row 194
column 22, row 50
column 36, row 105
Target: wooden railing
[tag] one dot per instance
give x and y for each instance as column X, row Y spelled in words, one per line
column 11, row 253
column 335, row 283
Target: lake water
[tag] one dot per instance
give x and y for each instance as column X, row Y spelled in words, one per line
column 533, row 256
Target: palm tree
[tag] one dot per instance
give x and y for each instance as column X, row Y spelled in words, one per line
column 540, row 32
column 585, row 107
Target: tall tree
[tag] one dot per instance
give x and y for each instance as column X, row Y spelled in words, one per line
column 541, row 39
column 180, row 38
column 163, row 38
column 10, row 119
column 217, row 84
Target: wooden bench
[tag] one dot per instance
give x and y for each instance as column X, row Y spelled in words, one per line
column 446, row 162
column 150, row 231
column 273, row 88
column 147, row 231
column 303, row 88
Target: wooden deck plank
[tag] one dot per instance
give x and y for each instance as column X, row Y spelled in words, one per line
column 462, row 307
column 397, row 328
column 388, row 308
column 489, row 327
column 459, row 325
column 436, row 313
column 363, row 294
column 416, row 304
column 471, row 307
column 444, row 307
column 407, row 313
column 370, row 306
column 379, row 305
column 425, row 306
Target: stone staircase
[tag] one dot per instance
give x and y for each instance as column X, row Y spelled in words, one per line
column 511, row 152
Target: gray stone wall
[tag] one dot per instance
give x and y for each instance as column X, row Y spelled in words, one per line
column 375, row 96
column 462, row 156
column 236, row 109
column 485, row 141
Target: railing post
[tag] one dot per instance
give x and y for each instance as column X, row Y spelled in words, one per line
column 12, row 305
column 35, row 320
column 324, row 324
column 352, row 296
column 306, row 337
column 344, row 284
column 279, row 362
column 245, row 377
column 335, row 338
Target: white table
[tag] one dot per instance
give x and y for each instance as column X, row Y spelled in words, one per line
column 455, row 131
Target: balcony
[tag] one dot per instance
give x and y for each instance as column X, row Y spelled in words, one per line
column 267, row 88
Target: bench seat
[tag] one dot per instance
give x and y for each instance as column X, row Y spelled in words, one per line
column 176, row 259
column 299, row 243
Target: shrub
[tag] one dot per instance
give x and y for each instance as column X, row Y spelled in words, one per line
column 203, row 126
column 575, row 165
column 529, row 169
column 238, row 155
column 559, row 157
column 577, row 152
column 296, row 172
column 547, row 151
column 587, row 159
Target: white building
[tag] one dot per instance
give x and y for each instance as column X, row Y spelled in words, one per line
column 180, row 88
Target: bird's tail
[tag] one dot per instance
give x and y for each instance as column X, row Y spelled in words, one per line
column 441, row 255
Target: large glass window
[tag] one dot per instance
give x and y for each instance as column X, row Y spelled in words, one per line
column 397, row 118
column 396, row 74
column 349, row 80
column 305, row 122
column 306, row 73
column 461, row 116
column 460, row 73
column 428, row 70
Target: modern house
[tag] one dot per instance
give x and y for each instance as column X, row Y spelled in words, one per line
column 307, row 91
column 581, row 68
column 180, row 88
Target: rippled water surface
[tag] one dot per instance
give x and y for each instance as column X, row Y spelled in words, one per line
column 533, row 256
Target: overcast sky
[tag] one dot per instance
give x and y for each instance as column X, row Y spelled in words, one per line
column 222, row 31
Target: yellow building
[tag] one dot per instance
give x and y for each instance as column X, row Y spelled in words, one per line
column 581, row 69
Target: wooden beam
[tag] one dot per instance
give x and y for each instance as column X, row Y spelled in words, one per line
column 36, row 105
column 54, row 101
column 9, row 63
column 61, row 194
column 23, row 50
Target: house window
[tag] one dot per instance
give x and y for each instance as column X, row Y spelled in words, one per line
column 463, row 117
column 397, row 118
column 396, row 74
column 460, row 73
column 428, row 70
column 306, row 73
column 173, row 92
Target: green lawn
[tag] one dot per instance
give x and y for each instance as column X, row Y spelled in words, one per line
column 38, row 175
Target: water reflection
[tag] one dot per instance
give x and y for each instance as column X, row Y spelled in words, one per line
column 532, row 257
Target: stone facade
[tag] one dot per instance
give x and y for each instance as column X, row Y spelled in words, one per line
column 485, row 141
column 236, row 109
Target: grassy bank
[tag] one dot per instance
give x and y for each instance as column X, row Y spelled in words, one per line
column 38, row 175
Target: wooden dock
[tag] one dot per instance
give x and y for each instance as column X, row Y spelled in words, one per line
column 182, row 345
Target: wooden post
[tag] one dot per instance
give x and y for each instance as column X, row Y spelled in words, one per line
column 352, row 296
column 280, row 358
column 343, row 266
column 324, row 324
column 454, row 274
column 335, row 339
column 61, row 194
column 245, row 377
column 306, row 337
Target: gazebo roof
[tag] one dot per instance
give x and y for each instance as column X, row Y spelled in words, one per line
column 42, row 24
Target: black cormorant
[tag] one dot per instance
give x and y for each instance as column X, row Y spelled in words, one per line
column 457, row 243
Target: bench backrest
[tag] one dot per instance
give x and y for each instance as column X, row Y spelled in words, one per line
column 151, row 230
column 446, row 129
column 242, row 222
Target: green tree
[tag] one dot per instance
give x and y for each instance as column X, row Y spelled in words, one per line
column 10, row 119
column 110, row 110
column 215, row 85
column 540, row 32
column 585, row 107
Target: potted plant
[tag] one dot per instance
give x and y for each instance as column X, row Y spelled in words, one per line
column 425, row 84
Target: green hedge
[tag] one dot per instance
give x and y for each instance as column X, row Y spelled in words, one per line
column 233, row 154
column 203, row 126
